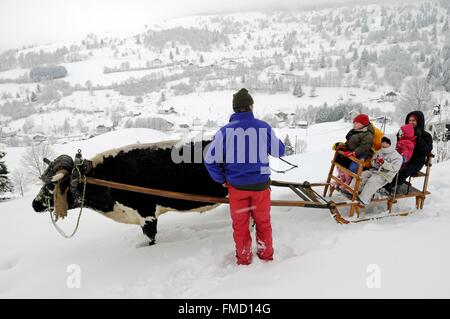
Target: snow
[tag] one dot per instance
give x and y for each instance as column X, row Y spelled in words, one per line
column 194, row 257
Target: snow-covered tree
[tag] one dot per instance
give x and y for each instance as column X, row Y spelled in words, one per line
column 435, row 69
column 20, row 181
column 300, row 146
column 289, row 150
column 446, row 75
column 416, row 96
column 298, row 90
column 33, row 97
column 33, row 159
column 355, row 55
column 445, row 27
column 5, row 183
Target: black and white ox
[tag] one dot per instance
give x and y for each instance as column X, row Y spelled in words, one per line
column 145, row 165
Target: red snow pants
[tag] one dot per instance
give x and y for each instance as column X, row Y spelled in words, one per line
column 256, row 204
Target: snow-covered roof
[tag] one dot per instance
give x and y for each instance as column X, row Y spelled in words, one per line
column 8, row 130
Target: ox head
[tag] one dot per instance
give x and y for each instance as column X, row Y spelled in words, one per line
column 56, row 178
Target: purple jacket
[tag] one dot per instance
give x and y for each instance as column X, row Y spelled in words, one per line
column 238, row 153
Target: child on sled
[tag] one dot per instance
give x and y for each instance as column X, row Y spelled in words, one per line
column 358, row 144
column 385, row 165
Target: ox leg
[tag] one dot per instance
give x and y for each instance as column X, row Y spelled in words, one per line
column 149, row 229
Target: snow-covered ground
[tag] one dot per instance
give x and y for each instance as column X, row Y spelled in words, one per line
column 194, row 256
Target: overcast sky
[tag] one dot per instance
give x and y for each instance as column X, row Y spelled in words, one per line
column 24, row 22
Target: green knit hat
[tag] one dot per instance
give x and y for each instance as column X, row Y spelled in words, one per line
column 241, row 101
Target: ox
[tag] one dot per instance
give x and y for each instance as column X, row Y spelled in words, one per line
column 145, row 165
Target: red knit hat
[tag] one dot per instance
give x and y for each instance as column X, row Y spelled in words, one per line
column 363, row 119
column 413, row 116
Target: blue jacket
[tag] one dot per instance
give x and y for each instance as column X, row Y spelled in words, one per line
column 238, row 153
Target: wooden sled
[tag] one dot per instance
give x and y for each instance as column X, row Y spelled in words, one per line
column 404, row 191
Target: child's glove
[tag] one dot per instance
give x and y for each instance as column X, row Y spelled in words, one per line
column 379, row 161
column 349, row 154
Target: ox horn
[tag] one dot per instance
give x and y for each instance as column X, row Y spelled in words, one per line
column 59, row 175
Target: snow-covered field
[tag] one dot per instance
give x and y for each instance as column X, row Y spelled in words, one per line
column 194, row 256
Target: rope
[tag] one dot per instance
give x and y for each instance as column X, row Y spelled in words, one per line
column 58, row 229
column 287, row 170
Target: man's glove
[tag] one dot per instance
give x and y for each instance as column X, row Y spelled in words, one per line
column 339, row 146
column 379, row 161
column 349, row 154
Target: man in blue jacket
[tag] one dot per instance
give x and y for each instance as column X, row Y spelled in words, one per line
column 238, row 158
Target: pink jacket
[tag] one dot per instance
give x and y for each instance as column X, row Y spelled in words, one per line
column 406, row 143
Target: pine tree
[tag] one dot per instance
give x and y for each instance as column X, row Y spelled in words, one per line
column 322, row 62
column 435, row 70
column 434, row 33
column 365, row 28
column 355, row 55
column 5, row 184
column 364, row 60
column 347, row 68
column 163, row 97
column 298, row 90
column 446, row 76
column 289, row 150
column 33, row 97
column 445, row 27
column 291, row 67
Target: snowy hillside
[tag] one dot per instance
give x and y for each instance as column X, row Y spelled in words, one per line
column 182, row 72
column 194, row 255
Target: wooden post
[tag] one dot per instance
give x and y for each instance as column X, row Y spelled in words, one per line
column 356, row 190
column 418, row 202
column 389, row 205
column 426, row 180
column 330, row 173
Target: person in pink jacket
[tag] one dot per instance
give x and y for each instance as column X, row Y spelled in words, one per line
column 406, row 141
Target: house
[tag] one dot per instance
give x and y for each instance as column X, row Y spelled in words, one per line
column 39, row 138
column 156, row 62
column 391, row 97
column 197, row 122
column 166, row 110
column 281, row 116
column 301, row 124
column 7, row 132
column 101, row 129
